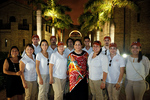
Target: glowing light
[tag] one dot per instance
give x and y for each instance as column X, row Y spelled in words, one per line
column 53, row 31
column 124, row 55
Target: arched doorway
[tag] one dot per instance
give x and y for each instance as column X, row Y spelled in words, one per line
column 75, row 34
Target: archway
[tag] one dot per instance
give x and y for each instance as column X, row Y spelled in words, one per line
column 75, row 34
column 12, row 19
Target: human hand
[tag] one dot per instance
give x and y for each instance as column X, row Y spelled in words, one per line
column 18, row 73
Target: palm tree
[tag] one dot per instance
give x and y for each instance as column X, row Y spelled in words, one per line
column 55, row 14
column 38, row 5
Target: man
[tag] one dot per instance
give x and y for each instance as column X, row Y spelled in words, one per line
column 105, row 48
column 87, row 47
column 70, row 47
column 53, row 47
column 105, row 51
column 37, row 48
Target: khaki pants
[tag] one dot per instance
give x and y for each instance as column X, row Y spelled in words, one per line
column 43, row 89
column 135, row 89
column 112, row 92
column 95, row 89
column 58, row 87
column 31, row 91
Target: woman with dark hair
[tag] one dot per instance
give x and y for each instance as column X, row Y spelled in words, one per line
column 137, row 68
column 77, row 71
column 11, row 69
column 27, row 67
column 98, row 69
column 42, row 69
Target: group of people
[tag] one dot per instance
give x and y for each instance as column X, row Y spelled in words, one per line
column 100, row 68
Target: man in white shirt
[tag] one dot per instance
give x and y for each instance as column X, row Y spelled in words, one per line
column 37, row 48
column 70, row 47
column 87, row 47
column 53, row 47
column 105, row 48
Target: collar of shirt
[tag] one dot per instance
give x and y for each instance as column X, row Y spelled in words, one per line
column 29, row 57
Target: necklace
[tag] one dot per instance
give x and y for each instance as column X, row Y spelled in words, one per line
column 14, row 66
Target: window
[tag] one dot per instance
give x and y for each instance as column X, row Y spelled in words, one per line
column 1, row 22
column 24, row 22
column 23, row 42
column 138, row 17
column 6, row 42
column 12, row 19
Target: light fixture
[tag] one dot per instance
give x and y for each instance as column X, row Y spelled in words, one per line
column 124, row 55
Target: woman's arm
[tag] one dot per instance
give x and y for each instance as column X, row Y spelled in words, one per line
column 120, row 77
column 22, row 66
column 38, row 72
column 51, row 72
column 6, row 71
column 104, row 80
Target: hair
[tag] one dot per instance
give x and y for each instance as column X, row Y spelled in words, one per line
column 140, row 56
column 86, row 37
column 77, row 40
column 43, row 41
column 68, row 40
column 99, row 51
column 19, row 57
column 30, row 45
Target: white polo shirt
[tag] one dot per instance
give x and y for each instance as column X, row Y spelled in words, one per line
column 68, row 51
column 60, row 65
column 37, row 49
column 108, row 53
column 97, row 66
column 88, row 51
column 43, row 66
column 142, row 67
column 114, row 70
column 51, row 50
column 30, row 68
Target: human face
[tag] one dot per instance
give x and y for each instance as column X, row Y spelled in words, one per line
column 113, row 50
column 44, row 46
column 87, row 42
column 14, row 52
column 135, row 49
column 70, row 43
column 77, row 46
column 29, row 51
column 35, row 41
column 53, row 41
column 61, row 48
column 96, row 48
column 107, row 42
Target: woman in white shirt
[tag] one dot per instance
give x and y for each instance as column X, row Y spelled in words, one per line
column 57, row 71
column 27, row 66
column 115, row 72
column 137, row 68
column 42, row 69
column 98, row 69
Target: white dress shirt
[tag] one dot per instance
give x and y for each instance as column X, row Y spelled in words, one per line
column 88, row 51
column 68, row 51
column 43, row 66
column 50, row 50
column 97, row 66
column 60, row 65
column 114, row 70
column 30, row 68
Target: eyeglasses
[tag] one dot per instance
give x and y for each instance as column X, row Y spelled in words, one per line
column 110, row 63
column 105, row 52
column 47, row 61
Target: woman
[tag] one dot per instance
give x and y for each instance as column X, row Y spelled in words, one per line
column 115, row 72
column 98, row 69
column 57, row 71
column 28, row 69
column 42, row 69
column 11, row 69
column 77, row 71
column 137, row 68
